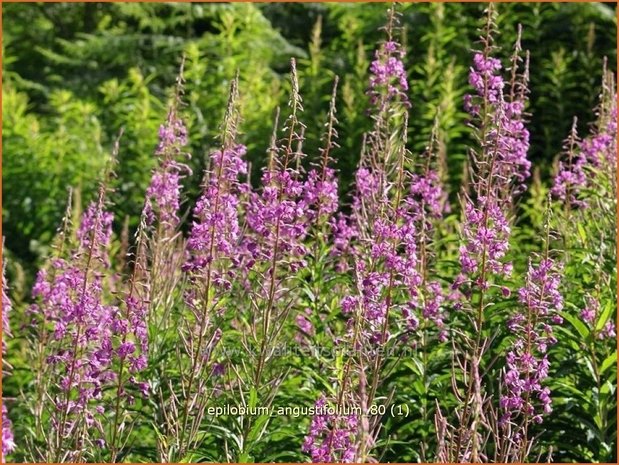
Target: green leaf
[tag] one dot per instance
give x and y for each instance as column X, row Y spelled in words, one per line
column 253, row 398
column 577, row 324
column 604, row 316
column 581, row 232
column 611, row 360
column 257, row 429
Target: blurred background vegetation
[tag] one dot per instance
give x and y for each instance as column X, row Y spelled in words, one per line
column 75, row 73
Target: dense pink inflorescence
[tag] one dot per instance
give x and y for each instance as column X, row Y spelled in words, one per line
column 163, row 194
column 215, row 231
column 320, row 194
column 527, row 360
column 8, row 441
column 215, row 236
column 600, row 149
column 331, row 437
column 87, row 332
column 501, row 168
column 388, row 79
column 277, row 220
column 344, row 233
column 386, row 252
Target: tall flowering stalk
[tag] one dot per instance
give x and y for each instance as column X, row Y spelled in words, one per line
column 428, row 202
column 388, row 207
column 71, row 302
column 525, row 398
column 321, row 200
column 570, row 178
column 163, row 196
column 8, row 442
column 498, row 170
column 321, row 186
column 212, row 247
column 274, row 254
column 164, row 247
column 80, row 359
column 600, row 148
column 332, row 436
column 277, row 226
column 39, row 336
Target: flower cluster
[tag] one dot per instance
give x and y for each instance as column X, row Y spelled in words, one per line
column 276, row 217
column 89, row 336
column 500, row 168
column 507, row 138
column 581, row 159
column 600, row 148
column 590, row 314
column 388, row 80
column 215, row 231
column 427, row 199
column 571, row 177
column 331, row 437
column 320, row 194
column 82, row 355
column 527, row 360
column 344, row 232
column 163, row 194
column 95, row 232
column 486, row 234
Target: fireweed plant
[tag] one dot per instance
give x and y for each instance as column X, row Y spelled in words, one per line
column 404, row 325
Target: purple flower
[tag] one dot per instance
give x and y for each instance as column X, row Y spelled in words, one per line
column 590, row 312
column 344, row 232
column 527, row 362
column 428, row 198
column 583, row 160
column 388, row 80
column 96, row 230
column 215, row 232
column 276, row 218
column 331, row 437
column 91, row 337
column 320, row 194
column 126, row 348
column 609, row 331
column 500, row 168
column 305, row 325
column 8, row 442
column 600, row 148
column 163, row 194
